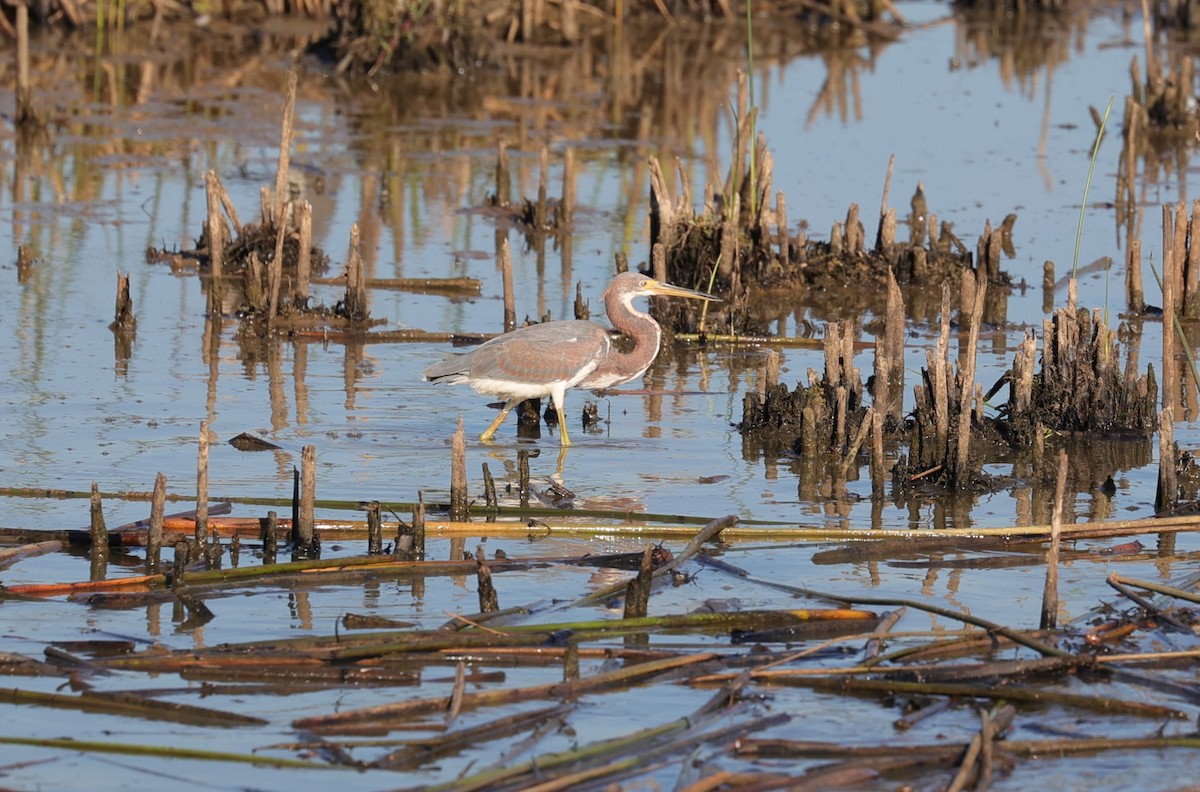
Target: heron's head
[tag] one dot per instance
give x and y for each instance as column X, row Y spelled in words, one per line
column 628, row 285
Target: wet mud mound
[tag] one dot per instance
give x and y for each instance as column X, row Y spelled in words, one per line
column 947, row 440
column 739, row 244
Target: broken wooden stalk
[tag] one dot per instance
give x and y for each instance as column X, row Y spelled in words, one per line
column 201, row 535
column 285, row 148
column 307, row 543
column 489, row 601
column 374, row 529
column 459, row 511
column 355, row 301
column 154, row 534
column 99, row 537
column 637, row 591
column 1049, row 620
column 270, row 541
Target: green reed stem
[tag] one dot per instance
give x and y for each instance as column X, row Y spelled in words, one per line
column 1087, row 185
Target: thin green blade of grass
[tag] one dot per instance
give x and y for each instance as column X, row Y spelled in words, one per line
column 1087, row 185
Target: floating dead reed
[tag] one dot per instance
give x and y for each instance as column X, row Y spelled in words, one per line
column 462, row 667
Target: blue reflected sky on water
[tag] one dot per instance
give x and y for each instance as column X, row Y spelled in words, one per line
column 984, row 141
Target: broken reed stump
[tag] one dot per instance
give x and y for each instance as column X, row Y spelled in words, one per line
column 374, row 529
column 459, row 509
column 756, row 248
column 1049, row 620
column 201, row 535
column 308, row 543
column 215, row 234
column 270, row 541
column 124, row 325
column 1167, row 492
column 523, row 478
column 304, row 256
column 504, row 261
column 99, row 537
column 566, row 208
column 637, row 592
column 489, row 600
column 354, row 305
column 815, row 419
column 1081, row 386
column 124, row 320
column 27, row 115
column 272, row 254
column 418, row 529
column 1162, row 104
column 540, row 216
column 179, row 564
column 944, row 416
column 582, row 310
column 489, row 489
column 960, row 472
column 285, row 146
column 275, row 268
column 154, row 534
column 1169, row 282
column 888, row 377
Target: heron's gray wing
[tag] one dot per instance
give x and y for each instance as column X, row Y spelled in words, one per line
column 564, row 351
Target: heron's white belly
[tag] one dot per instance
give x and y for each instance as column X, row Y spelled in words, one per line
column 507, row 389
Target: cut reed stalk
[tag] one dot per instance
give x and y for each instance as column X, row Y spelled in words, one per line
column 201, row 535
column 307, row 543
column 459, row 509
column 1049, row 619
column 155, row 533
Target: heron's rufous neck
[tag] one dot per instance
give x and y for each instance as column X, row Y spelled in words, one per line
column 642, row 330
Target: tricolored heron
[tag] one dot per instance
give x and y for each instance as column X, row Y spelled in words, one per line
column 546, row 359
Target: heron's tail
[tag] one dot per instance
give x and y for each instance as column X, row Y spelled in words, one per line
column 452, row 369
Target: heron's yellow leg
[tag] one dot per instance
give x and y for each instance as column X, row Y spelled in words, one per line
column 557, row 398
column 486, row 437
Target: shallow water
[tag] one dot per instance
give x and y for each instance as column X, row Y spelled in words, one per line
column 411, row 160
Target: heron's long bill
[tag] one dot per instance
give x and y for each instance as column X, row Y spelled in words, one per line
column 667, row 290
